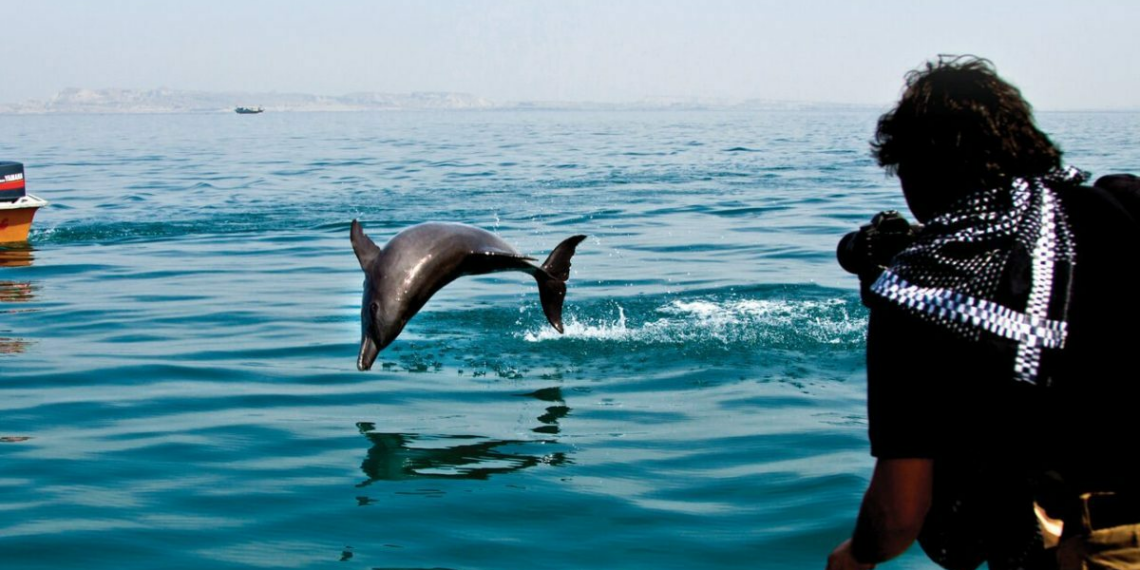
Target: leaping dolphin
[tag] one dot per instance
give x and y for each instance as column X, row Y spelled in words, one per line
column 400, row 277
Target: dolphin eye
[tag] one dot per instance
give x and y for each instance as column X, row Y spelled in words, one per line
column 374, row 307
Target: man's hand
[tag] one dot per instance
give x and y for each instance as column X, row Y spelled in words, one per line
column 842, row 559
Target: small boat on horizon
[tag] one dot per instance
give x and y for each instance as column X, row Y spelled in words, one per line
column 249, row 110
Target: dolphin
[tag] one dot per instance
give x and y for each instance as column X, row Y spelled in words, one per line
column 400, row 277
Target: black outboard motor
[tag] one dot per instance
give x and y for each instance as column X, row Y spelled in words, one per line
column 11, row 181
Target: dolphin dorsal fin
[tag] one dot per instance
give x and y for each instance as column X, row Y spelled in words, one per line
column 366, row 250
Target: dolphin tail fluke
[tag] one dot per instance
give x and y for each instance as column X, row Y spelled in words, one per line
column 551, row 292
column 552, row 280
column 557, row 264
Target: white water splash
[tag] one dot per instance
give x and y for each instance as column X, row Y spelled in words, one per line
column 573, row 328
column 736, row 321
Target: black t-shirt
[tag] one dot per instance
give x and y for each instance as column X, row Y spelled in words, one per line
column 932, row 394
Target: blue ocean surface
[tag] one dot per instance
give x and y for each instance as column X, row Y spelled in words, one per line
column 177, row 343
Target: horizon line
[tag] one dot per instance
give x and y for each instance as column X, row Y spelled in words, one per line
column 647, row 102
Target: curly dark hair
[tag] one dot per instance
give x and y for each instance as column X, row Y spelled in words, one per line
column 961, row 125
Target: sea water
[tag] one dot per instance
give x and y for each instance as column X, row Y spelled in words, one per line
column 177, row 343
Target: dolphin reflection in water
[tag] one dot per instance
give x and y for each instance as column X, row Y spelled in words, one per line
column 403, row 456
column 400, row 277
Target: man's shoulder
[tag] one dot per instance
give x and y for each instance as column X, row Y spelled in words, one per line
column 1119, row 183
column 1114, row 195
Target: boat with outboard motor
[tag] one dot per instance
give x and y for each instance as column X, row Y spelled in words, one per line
column 17, row 207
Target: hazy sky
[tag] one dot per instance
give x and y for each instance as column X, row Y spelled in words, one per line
column 1063, row 54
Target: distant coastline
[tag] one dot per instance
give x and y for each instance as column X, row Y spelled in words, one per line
column 156, row 101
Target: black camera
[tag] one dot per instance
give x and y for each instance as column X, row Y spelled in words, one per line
column 868, row 252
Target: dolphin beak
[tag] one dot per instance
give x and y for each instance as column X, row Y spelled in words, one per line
column 368, row 352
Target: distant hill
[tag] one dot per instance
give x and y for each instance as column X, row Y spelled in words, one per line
column 163, row 100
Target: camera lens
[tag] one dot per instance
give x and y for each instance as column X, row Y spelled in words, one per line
column 850, row 256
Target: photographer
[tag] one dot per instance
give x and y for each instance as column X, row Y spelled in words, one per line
column 1000, row 339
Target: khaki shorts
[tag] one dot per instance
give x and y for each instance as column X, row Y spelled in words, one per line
column 1092, row 548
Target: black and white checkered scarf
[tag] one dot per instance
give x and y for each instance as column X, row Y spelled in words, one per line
column 999, row 262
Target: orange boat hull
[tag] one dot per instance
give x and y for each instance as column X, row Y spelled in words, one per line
column 15, row 224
